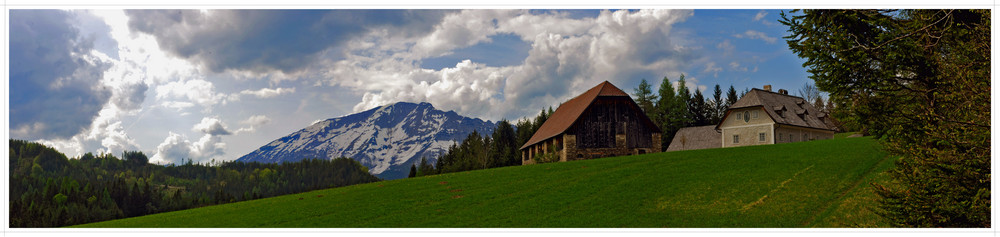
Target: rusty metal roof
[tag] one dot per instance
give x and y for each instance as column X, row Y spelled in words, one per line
column 569, row 112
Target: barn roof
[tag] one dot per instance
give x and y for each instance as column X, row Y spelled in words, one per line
column 783, row 109
column 567, row 113
column 692, row 138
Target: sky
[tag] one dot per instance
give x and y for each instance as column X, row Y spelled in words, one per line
column 217, row 84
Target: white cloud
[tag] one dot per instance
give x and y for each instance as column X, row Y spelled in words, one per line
column 198, row 91
column 211, row 126
column 256, row 120
column 253, row 122
column 753, row 34
column 760, row 15
column 106, row 134
column 567, row 56
column 711, row 68
column 735, row 66
column 176, row 148
column 459, row 30
column 262, row 93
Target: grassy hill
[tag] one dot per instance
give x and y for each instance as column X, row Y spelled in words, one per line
column 806, row 184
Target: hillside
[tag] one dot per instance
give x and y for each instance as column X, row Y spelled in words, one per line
column 386, row 139
column 806, row 184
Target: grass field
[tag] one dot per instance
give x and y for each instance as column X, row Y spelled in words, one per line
column 806, row 184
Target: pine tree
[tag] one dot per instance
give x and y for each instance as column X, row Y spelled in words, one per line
column 671, row 112
column 413, row 171
column 918, row 80
column 644, row 97
column 731, row 97
column 718, row 106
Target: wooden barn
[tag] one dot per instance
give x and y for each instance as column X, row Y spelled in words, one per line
column 602, row 122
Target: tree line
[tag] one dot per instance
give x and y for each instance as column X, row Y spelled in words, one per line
column 672, row 109
column 47, row 189
column 484, row 151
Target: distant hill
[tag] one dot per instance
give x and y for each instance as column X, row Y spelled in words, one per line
column 804, row 184
column 386, row 139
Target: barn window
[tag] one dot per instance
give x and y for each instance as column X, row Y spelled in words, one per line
column 579, row 156
column 736, row 139
column 762, row 137
column 805, row 136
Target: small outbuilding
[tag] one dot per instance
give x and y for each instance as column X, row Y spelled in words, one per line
column 603, row 121
column 694, row 138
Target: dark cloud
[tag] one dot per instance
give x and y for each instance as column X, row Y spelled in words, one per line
column 265, row 40
column 55, row 91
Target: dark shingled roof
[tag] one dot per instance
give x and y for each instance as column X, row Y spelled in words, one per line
column 693, row 138
column 784, row 109
column 569, row 112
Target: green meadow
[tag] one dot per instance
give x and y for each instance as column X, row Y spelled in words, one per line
column 806, row 184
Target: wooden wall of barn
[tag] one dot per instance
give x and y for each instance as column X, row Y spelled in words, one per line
column 610, row 116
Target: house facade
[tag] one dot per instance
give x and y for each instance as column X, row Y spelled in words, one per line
column 766, row 117
column 603, row 121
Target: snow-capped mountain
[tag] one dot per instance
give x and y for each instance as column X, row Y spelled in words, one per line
column 386, row 139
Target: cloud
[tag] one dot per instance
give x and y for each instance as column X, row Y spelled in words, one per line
column 268, row 40
column 567, row 56
column 753, row 34
column 735, row 66
column 105, row 135
column 256, row 120
column 176, row 148
column 711, row 68
column 211, row 126
column 760, row 15
column 263, row 93
column 460, row 30
column 54, row 79
column 196, row 91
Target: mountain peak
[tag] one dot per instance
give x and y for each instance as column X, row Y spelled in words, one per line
column 387, row 139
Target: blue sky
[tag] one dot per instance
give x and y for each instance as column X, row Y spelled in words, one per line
column 217, row 84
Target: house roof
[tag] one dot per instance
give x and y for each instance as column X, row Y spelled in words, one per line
column 783, row 109
column 567, row 113
column 692, row 138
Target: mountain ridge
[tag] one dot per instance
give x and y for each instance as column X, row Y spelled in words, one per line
column 386, row 139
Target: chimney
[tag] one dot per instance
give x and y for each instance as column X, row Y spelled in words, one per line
column 783, row 91
column 767, row 87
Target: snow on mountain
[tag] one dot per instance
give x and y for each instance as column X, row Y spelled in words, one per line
column 386, row 139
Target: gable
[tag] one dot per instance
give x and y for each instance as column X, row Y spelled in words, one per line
column 568, row 113
column 782, row 109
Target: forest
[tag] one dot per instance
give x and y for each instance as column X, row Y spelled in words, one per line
column 47, row 189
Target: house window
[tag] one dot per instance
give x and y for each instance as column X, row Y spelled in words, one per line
column 762, row 137
column 755, row 114
column 746, row 116
column 739, row 116
column 736, row 139
column 805, row 136
column 781, row 137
